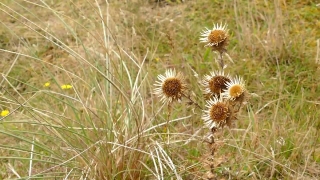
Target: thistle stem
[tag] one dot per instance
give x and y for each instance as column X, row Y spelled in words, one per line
column 221, row 63
column 193, row 102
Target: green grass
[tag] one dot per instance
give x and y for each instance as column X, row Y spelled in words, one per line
column 111, row 126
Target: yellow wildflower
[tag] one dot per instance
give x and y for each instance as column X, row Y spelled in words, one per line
column 47, row 84
column 157, row 59
column 66, row 86
column 4, row 113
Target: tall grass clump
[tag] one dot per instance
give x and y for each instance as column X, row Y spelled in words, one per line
column 73, row 94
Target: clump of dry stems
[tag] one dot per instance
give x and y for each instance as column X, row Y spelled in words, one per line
column 224, row 94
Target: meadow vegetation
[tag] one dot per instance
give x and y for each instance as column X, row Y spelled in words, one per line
column 77, row 80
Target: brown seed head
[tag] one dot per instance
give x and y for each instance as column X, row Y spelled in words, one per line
column 217, row 84
column 217, row 36
column 219, row 112
column 236, row 90
column 172, row 87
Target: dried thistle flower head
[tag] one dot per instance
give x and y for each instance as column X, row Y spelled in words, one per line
column 216, row 38
column 235, row 89
column 215, row 83
column 217, row 113
column 171, row 86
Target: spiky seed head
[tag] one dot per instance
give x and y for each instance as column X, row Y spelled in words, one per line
column 235, row 88
column 216, row 38
column 219, row 112
column 216, row 114
column 171, row 86
column 215, row 83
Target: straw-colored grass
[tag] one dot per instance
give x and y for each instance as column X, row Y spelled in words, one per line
column 110, row 125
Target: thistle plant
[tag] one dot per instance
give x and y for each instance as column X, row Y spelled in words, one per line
column 223, row 94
